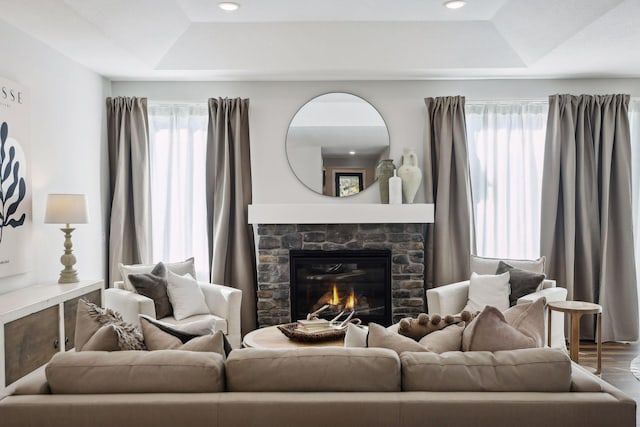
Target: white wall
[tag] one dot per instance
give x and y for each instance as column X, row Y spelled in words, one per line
column 401, row 104
column 67, row 150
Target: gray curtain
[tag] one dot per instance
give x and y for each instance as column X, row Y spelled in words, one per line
column 586, row 225
column 128, row 145
column 228, row 169
column 451, row 239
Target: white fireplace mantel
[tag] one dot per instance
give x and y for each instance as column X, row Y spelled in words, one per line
column 340, row 213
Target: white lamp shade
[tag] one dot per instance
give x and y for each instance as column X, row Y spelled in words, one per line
column 66, row 209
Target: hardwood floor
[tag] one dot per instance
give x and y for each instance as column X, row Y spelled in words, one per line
column 616, row 358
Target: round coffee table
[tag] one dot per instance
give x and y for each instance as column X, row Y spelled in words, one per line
column 271, row 337
column 576, row 309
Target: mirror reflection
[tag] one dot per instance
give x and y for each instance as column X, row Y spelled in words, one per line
column 334, row 143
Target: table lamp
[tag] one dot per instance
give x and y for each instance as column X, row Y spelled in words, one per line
column 67, row 209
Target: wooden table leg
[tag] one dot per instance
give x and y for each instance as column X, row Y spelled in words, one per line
column 549, row 327
column 599, row 343
column 574, row 348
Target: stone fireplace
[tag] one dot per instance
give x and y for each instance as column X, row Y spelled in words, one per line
column 404, row 241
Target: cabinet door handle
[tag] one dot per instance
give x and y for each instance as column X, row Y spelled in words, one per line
column 56, row 343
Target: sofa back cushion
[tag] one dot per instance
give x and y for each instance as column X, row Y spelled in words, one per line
column 313, row 369
column 536, row 369
column 162, row 371
column 484, row 265
column 180, row 268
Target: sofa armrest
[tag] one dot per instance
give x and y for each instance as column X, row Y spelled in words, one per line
column 130, row 305
column 548, row 283
column 119, row 284
column 225, row 302
column 448, row 299
column 551, row 295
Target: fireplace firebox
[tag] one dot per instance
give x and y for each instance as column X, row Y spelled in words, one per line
column 345, row 280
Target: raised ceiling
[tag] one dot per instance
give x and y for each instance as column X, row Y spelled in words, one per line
column 338, row 39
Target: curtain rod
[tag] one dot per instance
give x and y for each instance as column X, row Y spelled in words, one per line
column 485, row 101
column 174, row 102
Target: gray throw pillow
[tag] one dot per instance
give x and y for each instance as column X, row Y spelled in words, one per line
column 522, row 282
column 381, row 337
column 154, row 285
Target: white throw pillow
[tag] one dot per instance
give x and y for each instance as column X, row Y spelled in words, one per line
column 356, row 336
column 185, row 295
column 488, row 289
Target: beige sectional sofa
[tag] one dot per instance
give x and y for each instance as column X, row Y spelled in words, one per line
column 321, row 386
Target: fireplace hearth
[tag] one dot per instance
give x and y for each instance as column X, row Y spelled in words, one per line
column 344, row 281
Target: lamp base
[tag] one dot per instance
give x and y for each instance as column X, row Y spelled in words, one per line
column 68, row 274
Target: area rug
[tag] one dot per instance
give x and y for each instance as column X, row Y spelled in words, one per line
column 635, row 367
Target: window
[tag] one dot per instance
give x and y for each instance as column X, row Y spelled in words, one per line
column 506, row 153
column 178, row 140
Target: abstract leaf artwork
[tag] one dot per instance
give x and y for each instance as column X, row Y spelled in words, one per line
column 16, row 219
column 13, row 188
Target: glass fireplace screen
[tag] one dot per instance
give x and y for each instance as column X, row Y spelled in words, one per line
column 358, row 280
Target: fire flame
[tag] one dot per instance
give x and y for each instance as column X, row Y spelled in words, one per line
column 351, row 301
column 335, row 299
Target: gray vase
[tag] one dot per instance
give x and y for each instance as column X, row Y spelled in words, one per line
column 384, row 171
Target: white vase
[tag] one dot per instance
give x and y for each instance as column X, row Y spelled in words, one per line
column 395, row 190
column 410, row 174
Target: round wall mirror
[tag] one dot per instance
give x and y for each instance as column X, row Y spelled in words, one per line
column 334, row 143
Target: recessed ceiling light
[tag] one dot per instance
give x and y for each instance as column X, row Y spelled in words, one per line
column 228, row 6
column 455, row 4
column 352, row 152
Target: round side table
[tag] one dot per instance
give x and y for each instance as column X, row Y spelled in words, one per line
column 576, row 309
column 271, row 337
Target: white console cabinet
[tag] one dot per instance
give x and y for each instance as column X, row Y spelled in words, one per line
column 38, row 321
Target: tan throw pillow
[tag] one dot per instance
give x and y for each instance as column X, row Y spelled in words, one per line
column 86, row 325
column 489, row 331
column 160, row 337
column 155, row 338
column 213, row 343
column 90, row 331
column 381, row 337
column 104, row 339
column 528, row 318
column 447, row 339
